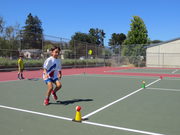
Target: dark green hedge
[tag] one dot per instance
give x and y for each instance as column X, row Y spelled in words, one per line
column 7, row 63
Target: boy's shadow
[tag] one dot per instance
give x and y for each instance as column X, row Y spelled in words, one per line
column 33, row 79
column 67, row 102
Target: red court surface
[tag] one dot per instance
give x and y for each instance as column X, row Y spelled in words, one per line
column 12, row 75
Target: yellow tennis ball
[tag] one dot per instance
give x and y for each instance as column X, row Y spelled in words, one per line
column 90, row 52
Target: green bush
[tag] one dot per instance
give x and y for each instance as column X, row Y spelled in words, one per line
column 33, row 63
column 7, row 63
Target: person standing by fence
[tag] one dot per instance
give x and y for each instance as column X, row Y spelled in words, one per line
column 20, row 67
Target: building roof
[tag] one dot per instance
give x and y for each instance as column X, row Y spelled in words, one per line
column 152, row 45
column 32, row 50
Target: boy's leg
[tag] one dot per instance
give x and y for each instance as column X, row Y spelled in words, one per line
column 48, row 93
column 58, row 86
column 50, row 88
column 22, row 74
column 19, row 74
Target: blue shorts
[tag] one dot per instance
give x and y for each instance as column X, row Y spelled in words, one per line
column 51, row 80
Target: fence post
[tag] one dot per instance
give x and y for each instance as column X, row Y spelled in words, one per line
column 42, row 47
column 119, row 55
column 74, row 53
column 86, row 55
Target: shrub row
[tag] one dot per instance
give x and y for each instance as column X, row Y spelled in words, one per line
column 7, row 63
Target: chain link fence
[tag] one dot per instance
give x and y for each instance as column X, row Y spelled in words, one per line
column 73, row 54
column 81, row 54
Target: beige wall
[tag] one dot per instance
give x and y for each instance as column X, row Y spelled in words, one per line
column 164, row 55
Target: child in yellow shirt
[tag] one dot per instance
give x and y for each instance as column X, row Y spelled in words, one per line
column 20, row 67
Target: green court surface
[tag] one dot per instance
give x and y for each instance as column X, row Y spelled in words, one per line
column 151, row 70
column 114, row 105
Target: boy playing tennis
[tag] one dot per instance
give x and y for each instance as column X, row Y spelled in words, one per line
column 52, row 74
column 20, row 67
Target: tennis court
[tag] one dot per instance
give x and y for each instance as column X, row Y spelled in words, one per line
column 112, row 104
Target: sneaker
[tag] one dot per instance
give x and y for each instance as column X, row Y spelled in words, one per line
column 54, row 95
column 46, row 101
column 19, row 77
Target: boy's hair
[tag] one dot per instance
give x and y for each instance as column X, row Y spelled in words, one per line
column 55, row 47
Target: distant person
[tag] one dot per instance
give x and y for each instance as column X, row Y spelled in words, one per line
column 52, row 74
column 20, row 67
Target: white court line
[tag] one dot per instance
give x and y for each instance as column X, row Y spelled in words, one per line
column 175, row 79
column 120, row 76
column 174, row 71
column 110, row 104
column 35, row 78
column 133, row 77
column 85, row 122
column 99, row 75
column 10, row 81
column 38, row 113
column 163, row 89
column 122, row 128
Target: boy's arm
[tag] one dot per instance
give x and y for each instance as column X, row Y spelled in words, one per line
column 45, row 66
column 45, row 73
column 19, row 66
column 59, row 68
column 60, row 74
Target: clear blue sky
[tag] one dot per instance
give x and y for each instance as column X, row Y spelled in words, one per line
column 63, row 18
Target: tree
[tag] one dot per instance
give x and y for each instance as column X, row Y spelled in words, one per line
column 32, row 33
column 80, row 42
column 1, row 31
column 116, row 41
column 137, row 38
column 155, row 41
column 8, row 35
column 9, row 39
column 1, row 24
column 83, row 37
column 98, row 34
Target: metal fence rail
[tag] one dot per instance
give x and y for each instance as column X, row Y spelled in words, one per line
column 73, row 54
column 77, row 54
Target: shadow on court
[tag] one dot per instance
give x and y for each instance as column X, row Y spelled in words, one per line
column 33, row 79
column 67, row 102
